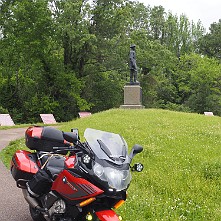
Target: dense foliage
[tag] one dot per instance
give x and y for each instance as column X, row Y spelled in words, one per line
column 63, row 56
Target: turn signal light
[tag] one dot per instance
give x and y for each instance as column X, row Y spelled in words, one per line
column 119, row 204
column 86, row 202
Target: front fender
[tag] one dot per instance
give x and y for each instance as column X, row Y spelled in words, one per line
column 107, row 215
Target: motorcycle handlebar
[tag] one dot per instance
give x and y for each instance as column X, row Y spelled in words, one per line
column 63, row 148
column 77, row 147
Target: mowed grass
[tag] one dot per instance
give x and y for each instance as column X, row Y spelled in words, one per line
column 182, row 162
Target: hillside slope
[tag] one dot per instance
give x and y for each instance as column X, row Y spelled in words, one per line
column 182, row 159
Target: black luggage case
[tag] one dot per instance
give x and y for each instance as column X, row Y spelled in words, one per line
column 44, row 138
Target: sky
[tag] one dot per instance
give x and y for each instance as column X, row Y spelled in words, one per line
column 207, row 11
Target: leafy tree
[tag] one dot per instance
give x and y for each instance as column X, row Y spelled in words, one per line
column 176, row 32
column 139, row 16
column 26, row 29
column 73, row 33
column 157, row 23
column 199, row 83
column 210, row 44
column 105, row 71
column 32, row 67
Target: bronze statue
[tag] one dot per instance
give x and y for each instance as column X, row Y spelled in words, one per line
column 133, row 65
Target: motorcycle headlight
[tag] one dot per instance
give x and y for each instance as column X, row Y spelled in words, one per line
column 117, row 179
column 98, row 170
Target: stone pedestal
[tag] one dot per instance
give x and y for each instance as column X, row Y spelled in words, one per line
column 132, row 97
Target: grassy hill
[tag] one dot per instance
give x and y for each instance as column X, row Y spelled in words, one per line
column 182, row 158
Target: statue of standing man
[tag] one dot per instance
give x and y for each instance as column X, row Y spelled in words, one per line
column 133, row 65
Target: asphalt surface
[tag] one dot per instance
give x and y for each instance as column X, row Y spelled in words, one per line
column 13, row 206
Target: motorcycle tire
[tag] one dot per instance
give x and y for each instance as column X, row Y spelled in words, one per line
column 36, row 215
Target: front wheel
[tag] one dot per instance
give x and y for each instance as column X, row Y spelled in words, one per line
column 36, row 215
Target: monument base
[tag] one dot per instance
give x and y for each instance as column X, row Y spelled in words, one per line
column 132, row 97
column 131, row 106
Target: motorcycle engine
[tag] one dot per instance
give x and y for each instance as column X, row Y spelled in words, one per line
column 58, row 207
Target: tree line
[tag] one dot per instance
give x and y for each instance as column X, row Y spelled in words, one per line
column 64, row 56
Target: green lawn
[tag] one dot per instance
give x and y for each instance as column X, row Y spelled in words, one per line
column 182, row 158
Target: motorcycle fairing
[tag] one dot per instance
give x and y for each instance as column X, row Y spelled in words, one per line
column 74, row 188
column 107, row 215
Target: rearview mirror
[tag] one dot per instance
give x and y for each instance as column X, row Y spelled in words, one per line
column 135, row 150
column 75, row 131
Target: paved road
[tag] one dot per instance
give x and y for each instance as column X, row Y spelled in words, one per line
column 13, row 206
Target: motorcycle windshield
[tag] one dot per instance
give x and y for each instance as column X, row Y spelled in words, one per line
column 106, row 145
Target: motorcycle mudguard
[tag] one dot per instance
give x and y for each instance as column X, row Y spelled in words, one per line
column 107, row 215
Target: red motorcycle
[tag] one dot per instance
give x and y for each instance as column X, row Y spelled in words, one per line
column 65, row 179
